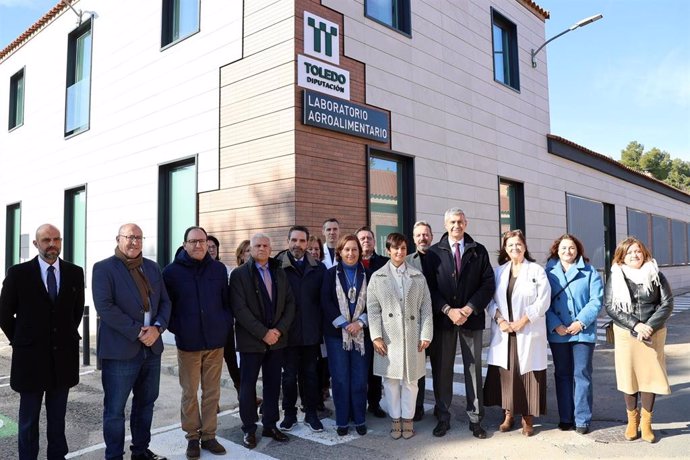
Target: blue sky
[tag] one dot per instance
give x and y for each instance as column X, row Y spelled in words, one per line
column 625, row 77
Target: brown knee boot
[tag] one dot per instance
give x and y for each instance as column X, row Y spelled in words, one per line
column 508, row 421
column 646, row 426
column 527, row 428
column 633, row 424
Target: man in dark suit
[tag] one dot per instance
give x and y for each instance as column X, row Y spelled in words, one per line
column 305, row 276
column 41, row 306
column 422, row 237
column 372, row 262
column 464, row 285
column 264, row 308
column 134, row 307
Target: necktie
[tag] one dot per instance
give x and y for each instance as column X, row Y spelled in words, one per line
column 458, row 258
column 52, row 284
column 267, row 281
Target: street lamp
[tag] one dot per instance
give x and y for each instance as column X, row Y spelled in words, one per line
column 581, row 23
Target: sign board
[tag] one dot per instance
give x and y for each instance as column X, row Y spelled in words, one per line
column 319, row 76
column 321, row 38
column 344, row 116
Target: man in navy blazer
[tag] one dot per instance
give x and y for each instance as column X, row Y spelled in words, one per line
column 133, row 304
column 41, row 306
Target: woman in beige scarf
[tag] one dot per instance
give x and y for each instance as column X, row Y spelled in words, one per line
column 639, row 300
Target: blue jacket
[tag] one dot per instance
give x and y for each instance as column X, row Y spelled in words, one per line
column 581, row 300
column 200, row 296
column 306, row 287
column 118, row 303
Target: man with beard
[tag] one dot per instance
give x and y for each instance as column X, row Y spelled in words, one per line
column 131, row 299
column 41, row 306
column 422, row 236
column 300, row 358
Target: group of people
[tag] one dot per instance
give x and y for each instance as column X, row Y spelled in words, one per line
column 370, row 319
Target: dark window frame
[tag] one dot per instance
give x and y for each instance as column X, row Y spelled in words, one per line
column 164, row 237
column 406, row 187
column 404, row 17
column 12, row 122
column 519, row 205
column 12, row 245
column 167, row 40
column 69, row 229
column 72, row 38
column 511, row 57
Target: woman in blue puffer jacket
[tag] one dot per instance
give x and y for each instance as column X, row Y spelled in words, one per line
column 571, row 321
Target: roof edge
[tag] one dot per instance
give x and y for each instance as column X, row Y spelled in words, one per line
column 535, row 9
column 569, row 150
column 37, row 26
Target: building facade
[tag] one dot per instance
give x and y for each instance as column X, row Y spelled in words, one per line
column 257, row 115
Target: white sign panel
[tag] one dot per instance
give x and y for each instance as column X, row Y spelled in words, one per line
column 321, row 38
column 322, row 77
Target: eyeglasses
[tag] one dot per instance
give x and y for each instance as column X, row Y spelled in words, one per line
column 132, row 238
column 199, row 242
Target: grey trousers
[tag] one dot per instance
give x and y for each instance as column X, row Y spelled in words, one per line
column 442, row 354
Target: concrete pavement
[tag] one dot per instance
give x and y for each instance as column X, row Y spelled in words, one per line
column 671, row 420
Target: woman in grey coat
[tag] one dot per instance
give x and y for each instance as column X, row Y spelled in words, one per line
column 400, row 322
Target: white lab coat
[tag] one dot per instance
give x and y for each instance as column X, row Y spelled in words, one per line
column 531, row 296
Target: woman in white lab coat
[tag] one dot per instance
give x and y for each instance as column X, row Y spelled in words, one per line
column 516, row 378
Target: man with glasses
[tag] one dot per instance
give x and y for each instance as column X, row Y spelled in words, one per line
column 200, row 320
column 41, row 306
column 134, row 307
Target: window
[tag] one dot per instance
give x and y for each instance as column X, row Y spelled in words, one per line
column 74, row 241
column 511, row 200
column 661, row 241
column 180, row 20
column 391, row 196
column 13, row 239
column 78, row 100
column 16, row 117
column 505, row 50
column 392, row 13
column 680, row 250
column 587, row 220
column 639, row 226
column 177, row 204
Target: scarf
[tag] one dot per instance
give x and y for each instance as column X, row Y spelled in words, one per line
column 344, row 305
column 135, row 267
column 647, row 276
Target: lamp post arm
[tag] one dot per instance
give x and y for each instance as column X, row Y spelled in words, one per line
column 535, row 52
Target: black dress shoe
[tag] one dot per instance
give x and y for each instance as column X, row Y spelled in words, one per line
column 275, row 433
column 441, row 429
column 477, row 430
column 582, row 429
column 377, row 411
column 565, row 426
column 361, row 430
column 249, row 440
column 418, row 414
column 342, row 430
column 148, row 455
